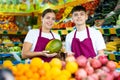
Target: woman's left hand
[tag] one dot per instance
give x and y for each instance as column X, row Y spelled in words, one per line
column 46, row 54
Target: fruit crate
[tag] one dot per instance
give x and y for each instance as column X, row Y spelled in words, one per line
column 10, row 56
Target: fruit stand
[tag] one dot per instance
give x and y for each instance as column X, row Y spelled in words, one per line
column 12, row 35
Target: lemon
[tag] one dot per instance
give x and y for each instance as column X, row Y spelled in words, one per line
column 55, row 62
column 36, row 62
column 72, row 66
column 7, row 64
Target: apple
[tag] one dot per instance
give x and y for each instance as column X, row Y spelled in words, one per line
column 95, row 63
column 81, row 61
column 111, row 65
column 103, row 59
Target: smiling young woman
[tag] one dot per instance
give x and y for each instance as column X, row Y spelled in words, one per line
column 36, row 39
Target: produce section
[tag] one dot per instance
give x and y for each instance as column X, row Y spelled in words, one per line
column 12, row 34
column 71, row 69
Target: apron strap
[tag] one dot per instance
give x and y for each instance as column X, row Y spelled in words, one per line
column 88, row 34
column 75, row 34
column 52, row 34
column 40, row 31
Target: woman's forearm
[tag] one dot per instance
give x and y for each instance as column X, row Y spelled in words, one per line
column 28, row 54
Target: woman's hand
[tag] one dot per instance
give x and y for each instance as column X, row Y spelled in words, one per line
column 46, row 54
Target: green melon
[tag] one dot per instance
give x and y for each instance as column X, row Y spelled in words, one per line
column 54, row 46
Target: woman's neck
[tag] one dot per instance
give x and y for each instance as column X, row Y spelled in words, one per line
column 45, row 30
column 81, row 27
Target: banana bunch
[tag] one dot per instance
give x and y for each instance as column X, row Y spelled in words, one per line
column 11, row 6
column 1, row 6
column 65, row 14
column 23, row 7
column 67, row 11
column 6, row 6
column 111, row 46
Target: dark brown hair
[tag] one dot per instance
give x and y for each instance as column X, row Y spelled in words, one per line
column 78, row 8
column 47, row 11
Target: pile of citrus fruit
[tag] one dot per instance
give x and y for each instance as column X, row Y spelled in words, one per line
column 80, row 68
column 39, row 70
column 117, row 64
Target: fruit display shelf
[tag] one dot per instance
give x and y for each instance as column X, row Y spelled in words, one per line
column 14, row 57
column 8, row 56
column 115, row 56
column 13, row 32
column 16, row 13
column 73, row 3
column 105, row 31
column 72, row 69
column 12, row 44
column 109, row 31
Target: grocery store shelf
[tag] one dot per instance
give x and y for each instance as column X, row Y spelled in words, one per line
column 107, row 31
column 13, row 32
column 59, row 6
column 73, row 3
column 11, row 44
column 16, row 13
column 111, row 30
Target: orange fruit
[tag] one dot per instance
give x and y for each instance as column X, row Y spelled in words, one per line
column 37, row 62
column 7, row 64
column 55, row 62
column 29, row 74
column 54, row 72
column 41, row 72
column 46, row 66
column 43, row 78
column 61, row 77
column 23, row 77
column 72, row 79
column 20, row 69
column 71, row 66
column 119, row 62
column 26, row 67
column 20, row 66
column 34, row 69
column 36, row 76
column 116, row 64
column 66, row 73
column 14, row 70
column 31, row 79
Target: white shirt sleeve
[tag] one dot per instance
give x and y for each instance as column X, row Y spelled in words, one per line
column 30, row 37
column 100, row 43
column 68, row 43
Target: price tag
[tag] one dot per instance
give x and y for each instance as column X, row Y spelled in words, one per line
column 18, row 33
column 106, row 32
column 5, row 32
column 118, row 32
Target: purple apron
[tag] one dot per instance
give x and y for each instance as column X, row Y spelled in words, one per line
column 84, row 47
column 41, row 44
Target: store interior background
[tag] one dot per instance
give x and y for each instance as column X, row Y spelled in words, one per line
column 17, row 17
